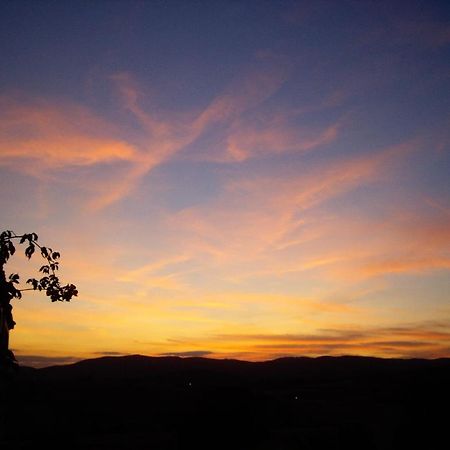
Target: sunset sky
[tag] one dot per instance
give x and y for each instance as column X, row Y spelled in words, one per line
column 230, row 179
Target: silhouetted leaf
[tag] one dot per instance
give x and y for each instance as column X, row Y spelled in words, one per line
column 14, row 278
column 33, row 282
column 29, row 251
column 44, row 269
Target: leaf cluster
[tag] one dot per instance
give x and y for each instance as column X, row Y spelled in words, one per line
column 7, row 248
column 49, row 282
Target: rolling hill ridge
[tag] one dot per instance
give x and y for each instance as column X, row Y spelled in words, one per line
column 171, row 403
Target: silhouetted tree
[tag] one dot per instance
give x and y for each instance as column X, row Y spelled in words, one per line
column 10, row 289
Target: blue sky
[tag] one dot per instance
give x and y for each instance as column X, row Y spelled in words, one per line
column 248, row 179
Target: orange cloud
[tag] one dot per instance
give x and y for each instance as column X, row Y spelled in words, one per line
column 405, row 265
column 48, row 139
column 40, row 136
column 410, row 242
column 415, row 340
column 245, row 143
column 62, row 142
column 263, row 227
column 262, row 213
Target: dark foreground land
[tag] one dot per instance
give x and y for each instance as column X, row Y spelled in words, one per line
column 138, row 402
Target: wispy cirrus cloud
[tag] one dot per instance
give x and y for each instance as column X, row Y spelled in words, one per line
column 65, row 143
column 412, row 242
column 265, row 226
column 274, row 137
column 277, row 203
column 247, row 91
column 47, row 139
column 37, row 135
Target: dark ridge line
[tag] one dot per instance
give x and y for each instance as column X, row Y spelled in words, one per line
column 228, row 361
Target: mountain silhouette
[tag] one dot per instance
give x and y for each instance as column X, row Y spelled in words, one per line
column 172, row 403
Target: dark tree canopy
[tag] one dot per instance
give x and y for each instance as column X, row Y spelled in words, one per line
column 10, row 286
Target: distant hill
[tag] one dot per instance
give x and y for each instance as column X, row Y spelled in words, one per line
column 173, row 403
column 321, row 368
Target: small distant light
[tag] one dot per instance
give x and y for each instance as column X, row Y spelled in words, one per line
column 296, row 397
column 189, row 384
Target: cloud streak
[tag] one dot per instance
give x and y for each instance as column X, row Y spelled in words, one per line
column 414, row 340
column 47, row 139
column 279, row 205
column 41, row 136
column 189, row 354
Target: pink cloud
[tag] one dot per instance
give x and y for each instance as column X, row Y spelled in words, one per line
column 38, row 135
column 256, row 215
column 46, row 139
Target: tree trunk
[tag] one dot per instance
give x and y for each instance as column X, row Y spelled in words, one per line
column 4, row 313
column 4, row 332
